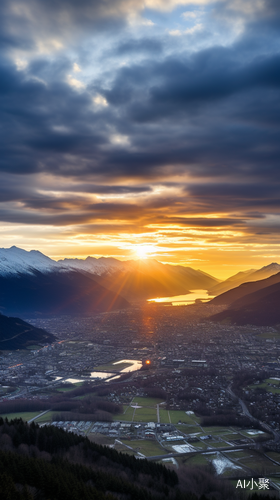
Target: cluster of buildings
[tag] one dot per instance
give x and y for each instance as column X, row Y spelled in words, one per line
column 191, row 358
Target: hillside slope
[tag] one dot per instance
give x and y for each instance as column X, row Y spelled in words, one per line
column 49, row 463
column 70, row 293
column 258, row 308
column 131, row 279
column 244, row 290
column 17, row 334
column 250, row 275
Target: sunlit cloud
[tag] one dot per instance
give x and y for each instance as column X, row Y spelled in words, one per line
column 99, row 100
column 190, row 15
column 76, row 68
column 119, row 140
column 77, row 84
column 48, row 46
column 21, row 64
column 194, row 29
column 175, row 33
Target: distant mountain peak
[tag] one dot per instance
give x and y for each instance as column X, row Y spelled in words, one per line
column 15, row 260
column 273, row 265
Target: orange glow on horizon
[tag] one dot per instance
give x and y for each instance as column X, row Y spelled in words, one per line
column 221, row 251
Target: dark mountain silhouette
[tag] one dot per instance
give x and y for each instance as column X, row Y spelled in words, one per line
column 231, row 282
column 17, row 334
column 57, row 293
column 131, row 279
column 260, row 307
column 244, row 277
column 242, row 291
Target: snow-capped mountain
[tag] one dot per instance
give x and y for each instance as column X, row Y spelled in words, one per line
column 95, row 266
column 14, row 261
column 132, row 280
column 32, row 284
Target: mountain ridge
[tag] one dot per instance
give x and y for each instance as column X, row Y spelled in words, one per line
column 17, row 334
column 241, row 291
column 55, row 293
column 132, row 280
column 249, row 275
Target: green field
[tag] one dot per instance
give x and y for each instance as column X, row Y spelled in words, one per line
column 147, row 401
column 259, row 463
column 274, row 455
column 148, row 447
column 47, row 417
column 218, row 444
column 127, row 415
column 188, row 429
column 145, row 415
column 26, row 415
column 269, row 335
column 200, row 445
column 196, row 460
column 232, row 437
column 216, row 430
column 67, row 388
column 175, row 416
column 164, row 417
column 178, row 415
column 265, row 385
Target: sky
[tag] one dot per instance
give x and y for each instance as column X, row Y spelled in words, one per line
column 137, row 128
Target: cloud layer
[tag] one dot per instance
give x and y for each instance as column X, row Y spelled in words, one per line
column 112, row 126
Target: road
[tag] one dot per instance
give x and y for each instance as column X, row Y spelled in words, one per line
column 37, row 416
column 254, row 420
column 208, row 450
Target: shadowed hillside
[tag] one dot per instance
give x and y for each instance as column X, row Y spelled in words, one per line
column 70, row 293
column 17, row 334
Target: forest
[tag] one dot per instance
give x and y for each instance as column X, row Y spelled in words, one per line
column 47, row 463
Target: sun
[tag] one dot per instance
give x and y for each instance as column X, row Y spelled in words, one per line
column 143, row 251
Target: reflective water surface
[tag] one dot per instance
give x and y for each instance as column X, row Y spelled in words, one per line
column 101, row 374
column 185, row 300
column 135, row 365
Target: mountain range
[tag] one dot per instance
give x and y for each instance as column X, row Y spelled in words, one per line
column 32, row 284
column 254, row 303
column 245, row 277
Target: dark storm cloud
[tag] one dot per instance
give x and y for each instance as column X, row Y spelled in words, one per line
column 205, row 222
column 139, row 46
column 45, row 122
column 99, row 189
column 186, row 84
column 214, row 113
column 22, row 23
column 42, row 121
column 248, row 197
column 241, row 191
column 60, row 213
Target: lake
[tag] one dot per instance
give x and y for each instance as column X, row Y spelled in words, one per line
column 185, row 300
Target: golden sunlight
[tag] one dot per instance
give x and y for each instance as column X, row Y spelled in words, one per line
column 144, row 251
